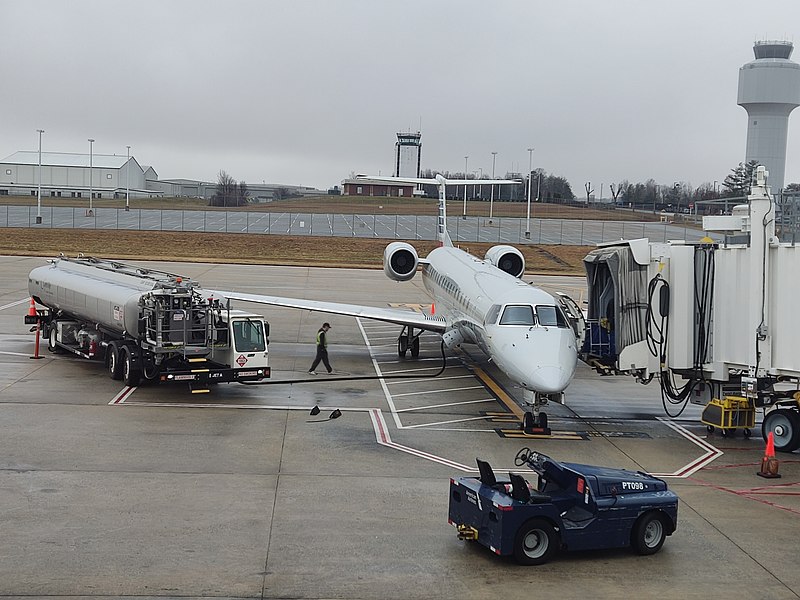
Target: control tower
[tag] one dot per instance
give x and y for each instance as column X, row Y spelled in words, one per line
column 407, row 155
column 769, row 89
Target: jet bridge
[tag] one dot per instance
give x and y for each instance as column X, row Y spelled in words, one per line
column 713, row 322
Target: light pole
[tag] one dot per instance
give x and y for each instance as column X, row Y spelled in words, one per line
column 128, row 181
column 491, row 200
column 530, row 185
column 466, row 162
column 90, row 213
column 39, row 193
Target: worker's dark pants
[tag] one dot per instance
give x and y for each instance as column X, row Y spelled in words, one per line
column 322, row 355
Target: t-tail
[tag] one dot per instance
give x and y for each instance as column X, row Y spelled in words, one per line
column 441, row 183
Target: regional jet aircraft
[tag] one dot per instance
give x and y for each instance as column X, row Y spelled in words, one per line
column 521, row 328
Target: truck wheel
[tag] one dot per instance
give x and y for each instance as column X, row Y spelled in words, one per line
column 785, row 427
column 114, row 362
column 415, row 348
column 535, row 543
column 649, row 533
column 130, row 376
column 51, row 340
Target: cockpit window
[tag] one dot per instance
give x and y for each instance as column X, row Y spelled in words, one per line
column 517, row 315
column 491, row 316
column 551, row 316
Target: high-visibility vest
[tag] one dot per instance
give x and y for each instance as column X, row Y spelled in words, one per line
column 322, row 340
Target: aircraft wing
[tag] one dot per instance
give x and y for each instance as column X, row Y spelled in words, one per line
column 389, row 315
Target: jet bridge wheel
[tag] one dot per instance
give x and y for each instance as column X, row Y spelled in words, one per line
column 535, row 542
column 785, row 427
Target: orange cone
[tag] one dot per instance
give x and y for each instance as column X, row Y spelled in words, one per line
column 433, row 309
column 32, row 308
column 769, row 464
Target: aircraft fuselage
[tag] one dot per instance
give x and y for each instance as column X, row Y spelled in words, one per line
column 519, row 326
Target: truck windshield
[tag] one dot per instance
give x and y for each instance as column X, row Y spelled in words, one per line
column 248, row 336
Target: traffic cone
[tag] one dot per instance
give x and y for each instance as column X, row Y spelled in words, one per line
column 769, row 464
column 32, row 308
column 433, row 309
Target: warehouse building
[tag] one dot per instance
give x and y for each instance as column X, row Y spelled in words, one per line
column 67, row 175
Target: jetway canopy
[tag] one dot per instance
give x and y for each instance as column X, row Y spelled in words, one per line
column 617, row 293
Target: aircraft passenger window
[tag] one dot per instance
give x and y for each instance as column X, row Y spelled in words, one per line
column 551, row 316
column 491, row 316
column 517, row 315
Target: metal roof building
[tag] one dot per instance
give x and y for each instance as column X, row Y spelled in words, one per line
column 68, row 175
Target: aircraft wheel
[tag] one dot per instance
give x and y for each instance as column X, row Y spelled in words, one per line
column 402, row 346
column 535, row 543
column 114, row 362
column 785, row 427
column 130, row 376
column 415, row 348
column 649, row 533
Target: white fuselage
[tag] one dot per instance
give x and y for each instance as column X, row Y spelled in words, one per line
column 520, row 327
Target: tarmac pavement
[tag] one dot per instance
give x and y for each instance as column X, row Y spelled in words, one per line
column 241, row 493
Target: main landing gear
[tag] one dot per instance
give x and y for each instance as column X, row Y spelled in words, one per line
column 408, row 340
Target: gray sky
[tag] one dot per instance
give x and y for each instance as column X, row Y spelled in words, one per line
column 306, row 92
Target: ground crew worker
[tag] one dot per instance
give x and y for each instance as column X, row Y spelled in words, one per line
column 322, row 350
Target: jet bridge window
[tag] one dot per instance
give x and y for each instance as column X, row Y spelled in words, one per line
column 551, row 316
column 248, row 336
column 517, row 315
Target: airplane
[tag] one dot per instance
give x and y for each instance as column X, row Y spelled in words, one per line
column 521, row 328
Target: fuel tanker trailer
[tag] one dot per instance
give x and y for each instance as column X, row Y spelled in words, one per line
column 147, row 325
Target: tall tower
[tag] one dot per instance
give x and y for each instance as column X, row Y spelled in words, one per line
column 407, row 154
column 769, row 89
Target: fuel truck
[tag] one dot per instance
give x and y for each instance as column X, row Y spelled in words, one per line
column 146, row 325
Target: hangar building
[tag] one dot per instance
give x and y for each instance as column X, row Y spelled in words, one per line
column 67, row 175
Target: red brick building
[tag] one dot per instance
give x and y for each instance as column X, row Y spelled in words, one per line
column 371, row 187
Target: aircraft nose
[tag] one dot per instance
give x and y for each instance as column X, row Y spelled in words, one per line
column 550, row 379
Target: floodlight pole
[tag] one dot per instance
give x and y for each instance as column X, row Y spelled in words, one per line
column 466, row 163
column 491, row 200
column 39, row 192
column 91, row 190
column 128, row 181
column 530, row 185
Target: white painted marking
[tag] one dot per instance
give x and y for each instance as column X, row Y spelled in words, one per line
column 17, row 303
column 445, row 422
column 448, row 404
column 473, row 387
column 383, row 438
column 711, row 452
column 440, row 378
column 19, row 354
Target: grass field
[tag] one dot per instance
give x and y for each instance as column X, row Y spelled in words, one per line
column 359, row 205
column 252, row 249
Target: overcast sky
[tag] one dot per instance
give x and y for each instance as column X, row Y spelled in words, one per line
column 306, row 92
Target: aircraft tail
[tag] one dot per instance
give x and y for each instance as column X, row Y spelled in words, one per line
column 441, row 226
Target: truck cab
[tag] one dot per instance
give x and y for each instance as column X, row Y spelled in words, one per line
column 247, row 341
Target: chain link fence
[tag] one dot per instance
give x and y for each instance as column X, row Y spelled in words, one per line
column 509, row 230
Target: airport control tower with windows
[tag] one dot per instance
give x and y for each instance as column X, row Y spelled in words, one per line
column 407, row 156
column 769, row 89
